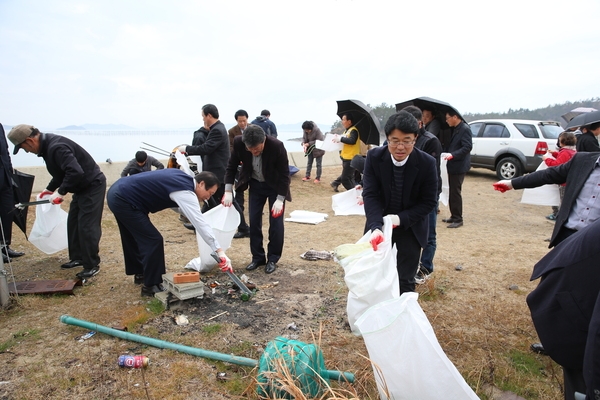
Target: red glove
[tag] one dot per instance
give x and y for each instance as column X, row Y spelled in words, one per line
column 225, row 263
column 502, row 186
column 376, row 239
column 56, row 198
column 449, row 157
column 46, row 192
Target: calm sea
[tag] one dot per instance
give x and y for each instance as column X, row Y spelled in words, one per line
column 122, row 145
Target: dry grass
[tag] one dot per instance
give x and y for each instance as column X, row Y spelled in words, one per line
column 484, row 328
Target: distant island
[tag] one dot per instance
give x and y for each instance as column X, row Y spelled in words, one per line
column 96, row 127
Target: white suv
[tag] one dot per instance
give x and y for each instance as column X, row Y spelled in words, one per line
column 511, row 147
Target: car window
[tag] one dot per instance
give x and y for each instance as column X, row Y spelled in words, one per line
column 495, row 131
column 550, row 131
column 475, row 128
column 527, row 130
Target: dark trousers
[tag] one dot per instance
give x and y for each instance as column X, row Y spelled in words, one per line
column 574, row 382
column 309, row 164
column 143, row 247
column 346, row 179
column 238, row 203
column 455, row 203
column 429, row 250
column 7, row 204
column 84, row 224
column 259, row 193
column 407, row 259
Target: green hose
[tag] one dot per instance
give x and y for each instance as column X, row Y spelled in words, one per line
column 194, row 351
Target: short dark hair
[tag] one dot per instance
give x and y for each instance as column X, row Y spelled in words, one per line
column 428, row 107
column 567, row 139
column 210, row 109
column 253, row 136
column 593, row 126
column 240, row 113
column 209, row 179
column 348, row 116
column 403, row 121
column 308, row 125
column 452, row 113
column 266, row 113
column 141, row 156
column 414, row 111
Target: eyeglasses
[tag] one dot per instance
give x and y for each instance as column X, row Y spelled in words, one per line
column 405, row 143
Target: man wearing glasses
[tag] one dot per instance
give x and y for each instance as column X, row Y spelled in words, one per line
column 401, row 182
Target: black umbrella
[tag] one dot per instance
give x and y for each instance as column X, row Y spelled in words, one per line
column 440, row 107
column 584, row 119
column 22, row 186
column 366, row 122
column 577, row 111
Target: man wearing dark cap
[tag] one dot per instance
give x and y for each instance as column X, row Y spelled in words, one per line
column 141, row 163
column 264, row 121
column 73, row 170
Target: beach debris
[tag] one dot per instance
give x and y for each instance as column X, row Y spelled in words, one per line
column 181, row 320
column 88, row 335
column 314, row 255
column 458, row 267
column 292, row 326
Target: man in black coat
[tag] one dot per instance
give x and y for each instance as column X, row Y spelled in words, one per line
column 580, row 205
column 7, row 201
column 265, row 172
column 73, row 170
column 211, row 143
column 400, row 181
column 565, row 309
column 588, row 141
column 458, row 163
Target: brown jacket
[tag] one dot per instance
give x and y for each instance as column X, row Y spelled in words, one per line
column 233, row 132
column 311, row 138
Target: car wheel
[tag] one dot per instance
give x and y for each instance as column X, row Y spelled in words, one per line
column 508, row 168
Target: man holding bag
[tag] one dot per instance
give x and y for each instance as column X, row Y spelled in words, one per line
column 73, row 170
column 400, row 181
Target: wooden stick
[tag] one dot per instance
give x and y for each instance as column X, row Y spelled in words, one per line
column 218, row 315
column 262, row 301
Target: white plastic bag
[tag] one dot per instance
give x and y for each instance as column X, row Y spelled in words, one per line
column 306, row 217
column 546, row 195
column 371, row 276
column 401, row 342
column 224, row 222
column 346, row 203
column 49, row 232
column 445, row 185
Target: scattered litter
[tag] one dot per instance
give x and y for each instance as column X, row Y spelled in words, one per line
column 349, row 249
column 218, row 315
column 264, row 301
column 458, row 267
column 214, row 290
column 513, row 287
column 88, row 335
column 314, row 255
column 232, row 291
column 245, row 278
column 306, row 217
column 181, row 320
column 222, row 376
column 292, row 326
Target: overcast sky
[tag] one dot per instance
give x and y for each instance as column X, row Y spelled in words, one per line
column 155, row 63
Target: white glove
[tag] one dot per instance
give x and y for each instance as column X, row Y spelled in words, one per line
column 56, row 198
column 46, row 192
column 503, row 186
column 359, row 198
column 225, row 263
column 395, row 220
column 335, row 139
column 227, row 199
column 182, row 148
column 277, row 208
column 376, row 238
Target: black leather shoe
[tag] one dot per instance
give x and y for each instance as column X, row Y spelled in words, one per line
column 271, row 267
column 152, row 290
column 4, row 258
column 241, row 234
column 7, row 251
column 334, row 186
column 72, row 264
column 88, row 273
column 138, row 279
column 538, row 348
column 189, row 226
column 253, row 265
column 456, row 224
column 449, row 220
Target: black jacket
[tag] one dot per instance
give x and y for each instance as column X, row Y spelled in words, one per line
column 430, row 144
column 213, row 147
column 72, row 168
column 460, row 145
column 587, row 142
